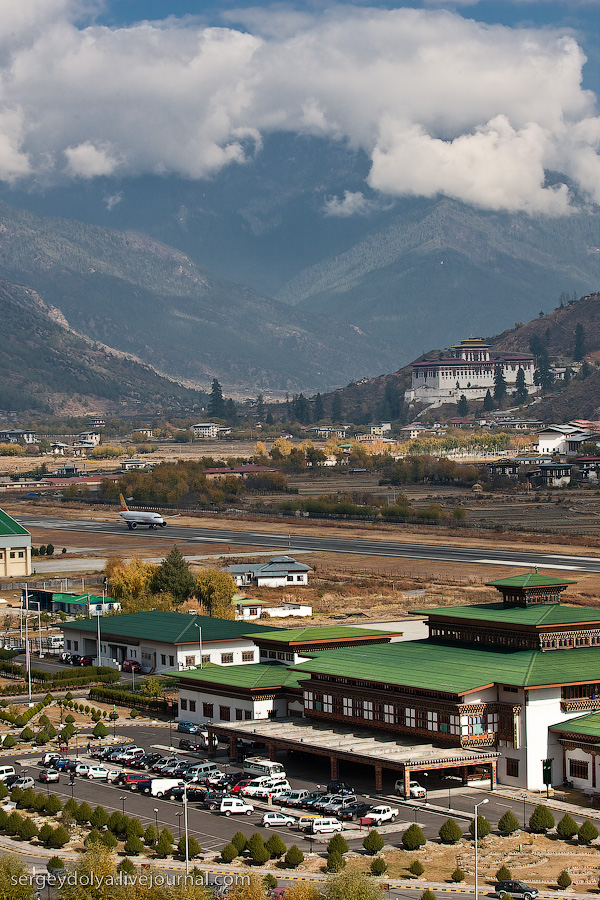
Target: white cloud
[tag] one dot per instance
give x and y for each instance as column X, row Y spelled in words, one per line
column 440, row 104
column 353, row 203
column 112, row 200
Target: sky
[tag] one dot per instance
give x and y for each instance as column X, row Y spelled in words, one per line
column 480, row 101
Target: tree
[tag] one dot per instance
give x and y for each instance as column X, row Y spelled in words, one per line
column 579, row 350
column 92, row 837
column 130, row 582
column 457, row 875
column 509, row 823
column 416, row 868
column 567, row 828
column 503, row 874
column 108, row 840
column 229, row 853
column 483, row 828
column 338, row 843
column 216, row 403
column 133, row 846
column 100, row 730
column 564, row 880
column 239, row 841
column 83, row 813
column 126, row 867
column 269, row 881
column 215, row 589
column 55, row 863
column 45, row 834
column 499, row 385
column 9, row 742
column 318, row 410
column 450, row 832
column 259, row 407
column 60, row 837
column 541, row 820
column 13, row 823
column 294, row 857
column 164, row 846
column 488, row 402
column 588, row 832
column 521, row 392
column 173, row 576
column 337, row 410
column 543, row 374
column 352, row 885
column 427, row 895
column 27, row 734
column 335, row 861
column 52, row 805
column 15, row 880
column 194, row 848
column 275, row 846
column 463, row 406
column 413, row 838
column 151, row 835
column 28, row 830
column 373, row 842
column 95, row 869
column 378, row 866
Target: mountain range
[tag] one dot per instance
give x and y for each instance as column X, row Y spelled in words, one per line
column 261, row 277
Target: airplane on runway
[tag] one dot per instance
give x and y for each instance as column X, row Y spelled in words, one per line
column 133, row 519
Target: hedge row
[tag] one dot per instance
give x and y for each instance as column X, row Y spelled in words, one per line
column 71, row 678
column 128, row 698
column 23, row 718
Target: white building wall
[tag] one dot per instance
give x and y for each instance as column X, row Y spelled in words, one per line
column 257, row 709
column 223, row 653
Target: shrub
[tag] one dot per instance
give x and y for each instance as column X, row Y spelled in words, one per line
column 41, row 738
column 70, row 719
column 27, row 734
column 427, row 895
column 541, row 820
column 275, row 846
column 151, row 835
column 20, row 721
column 126, row 867
column 16, row 794
column 9, row 742
column 39, row 804
column 458, row 875
column 116, row 822
column 294, row 857
column 109, row 840
column 413, row 838
column 92, row 838
column 483, row 828
column 269, row 881
column 83, row 813
column 194, row 848
column 239, row 841
column 588, row 832
column 55, row 863
column 60, row 837
column 134, row 828
column 564, row 880
column 27, row 800
column 45, row 834
column 335, row 862
column 43, row 720
column 416, row 868
column 509, row 823
column 52, row 805
column 133, row 846
column 3, row 790
column 133, row 714
column 338, row 844
column 378, row 866
column 164, row 846
column 229, row 853
column 261, row 855
column 99, row 818
column 450, row 832
column 27, row 830
column 567, row 828
column 503, row 874
column 373, row 843
column 100, row 730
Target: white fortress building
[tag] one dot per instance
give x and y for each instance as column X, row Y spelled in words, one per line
column 468, row 369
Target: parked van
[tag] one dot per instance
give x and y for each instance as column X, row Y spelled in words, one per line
column 235, row 806
column 305, row 822
column 158, row 787
column 56, row 642
column 5, row 771
column 325, row 825
column 254, row 765
column 202, row 770
column 257, row 785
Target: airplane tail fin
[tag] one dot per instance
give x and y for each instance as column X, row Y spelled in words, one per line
column 124, row 507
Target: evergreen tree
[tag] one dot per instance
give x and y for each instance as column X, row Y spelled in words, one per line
column 373, row 842
column 564, row 880
column 99, row 818
column 216, row 403
column 541, row 820
column 416, row 868
column 229, row 853
column 450, row 832
column 458, row 875
column 499, row 385
column 294, row 857
column 336, row 408
column 275, row 846
column 173, row 576
column 108, row 840
column 335, row 861
column 567, row 828
column 151, row 835
column 509, row 823
column 269, row 420
column 28, row 830
column 301, row 409
column 230, row 412
column 133, row 846
column 194, row 848
column 521, row 392
column 463, row 406
column 413, row 838
column 543, row 374
column 378, row 866
column 259, row 407
column 588, row 832
column 579, row 350
column 239, row 841
column 338, row 843
column 503, row 874
column 483, row 828
column 164, row 846
column 318, row 410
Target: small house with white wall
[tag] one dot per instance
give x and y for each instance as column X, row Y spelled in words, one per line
column 279, row 571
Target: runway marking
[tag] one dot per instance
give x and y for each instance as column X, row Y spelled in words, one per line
column 527, row 565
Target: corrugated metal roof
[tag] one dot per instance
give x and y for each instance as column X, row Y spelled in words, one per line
column 529, row 579
column 252, row 676
column 9, row 526
column 589, row 725
column 323, row 633
column 168, row 627
column 537, row 614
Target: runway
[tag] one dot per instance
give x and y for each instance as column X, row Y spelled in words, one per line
column 288, row 543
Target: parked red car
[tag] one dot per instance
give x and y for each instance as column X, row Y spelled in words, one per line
column 131, row 665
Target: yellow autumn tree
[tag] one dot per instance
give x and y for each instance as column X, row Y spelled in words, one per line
column 130, row 583
column 215, row 590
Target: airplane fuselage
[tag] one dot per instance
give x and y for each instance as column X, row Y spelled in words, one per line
column 151, row 519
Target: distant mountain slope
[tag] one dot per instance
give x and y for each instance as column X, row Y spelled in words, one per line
column 140, row 296
column 47, row 367
column 443, row 270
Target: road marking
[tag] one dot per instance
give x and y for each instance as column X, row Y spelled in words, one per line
column 526, row 565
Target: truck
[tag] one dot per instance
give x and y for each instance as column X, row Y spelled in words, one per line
column 416, row 791
column 380, row 814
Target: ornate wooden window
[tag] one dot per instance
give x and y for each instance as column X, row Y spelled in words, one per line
column 578, row 769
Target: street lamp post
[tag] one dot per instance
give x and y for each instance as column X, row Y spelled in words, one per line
column 524, row 813
column 199, row 627
column 185, row 827
column 179, row 815
column 477, row 805
column 156, row 819
column 426, row 777
column 122, row 799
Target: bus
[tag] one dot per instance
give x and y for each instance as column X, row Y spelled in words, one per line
column 254, row 765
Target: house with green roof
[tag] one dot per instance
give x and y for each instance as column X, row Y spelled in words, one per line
column 15, row 548
column 488, row 683
column 161, row 640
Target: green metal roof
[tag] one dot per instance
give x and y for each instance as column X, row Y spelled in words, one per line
column 456, row 669
column 588, row 725
column 529, row 580
column 8, row 525
column 81, row 599
column 538, row 614
column 168, row 627
column 254, row 676
column 323, row 633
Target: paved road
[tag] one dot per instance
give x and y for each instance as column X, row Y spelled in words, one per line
column 291, row 542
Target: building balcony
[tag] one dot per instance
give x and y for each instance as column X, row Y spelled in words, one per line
column 585, row 704
column 473, row 741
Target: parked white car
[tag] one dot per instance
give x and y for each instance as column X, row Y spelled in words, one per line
column 235, row 806
column 276, row 820
column 102, row 773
